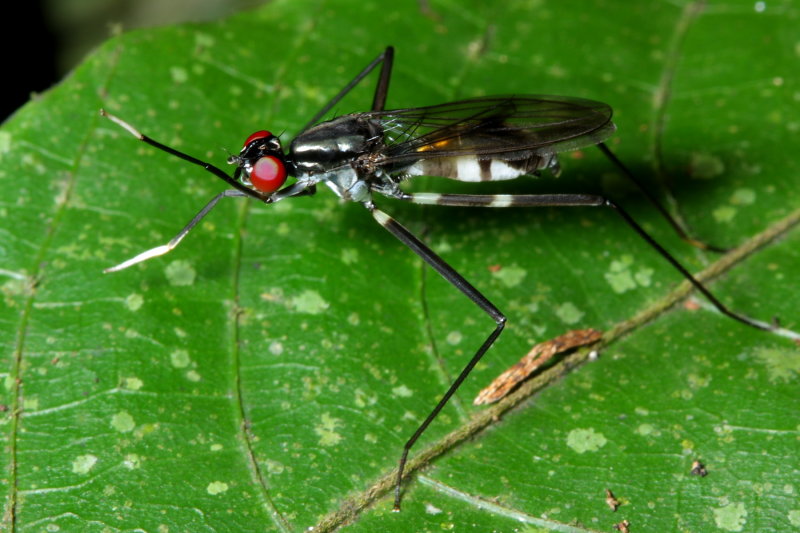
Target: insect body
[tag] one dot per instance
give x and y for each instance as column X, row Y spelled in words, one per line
column 364, row 155
column 484, row 139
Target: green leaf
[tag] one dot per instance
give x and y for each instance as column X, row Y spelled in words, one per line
column 265, row 374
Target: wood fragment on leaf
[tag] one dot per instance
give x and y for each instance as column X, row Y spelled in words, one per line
column 611, row 500
column 698, row 469
column 538, row 356
column 623, row 527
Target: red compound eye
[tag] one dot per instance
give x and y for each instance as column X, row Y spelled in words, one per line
column 268, row 174
column 262, row 134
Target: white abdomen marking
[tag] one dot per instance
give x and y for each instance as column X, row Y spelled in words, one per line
column 470, row 168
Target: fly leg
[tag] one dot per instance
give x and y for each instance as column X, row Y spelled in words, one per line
column 239, row 190
column 291, row 191
column 175, row 241
column 385, row 59
column 218, row 172
column 458, row 281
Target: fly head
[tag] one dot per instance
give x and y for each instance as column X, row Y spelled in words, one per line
column 261, row 163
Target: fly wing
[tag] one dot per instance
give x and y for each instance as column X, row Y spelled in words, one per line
column 499, row 126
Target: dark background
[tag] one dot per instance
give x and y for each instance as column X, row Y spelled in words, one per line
column 45, row 39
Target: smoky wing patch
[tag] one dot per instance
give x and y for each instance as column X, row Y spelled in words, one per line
column 508, row 128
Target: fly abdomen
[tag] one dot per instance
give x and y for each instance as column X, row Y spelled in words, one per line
column 481, row 168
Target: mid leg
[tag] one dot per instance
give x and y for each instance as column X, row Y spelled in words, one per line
column 458, row 281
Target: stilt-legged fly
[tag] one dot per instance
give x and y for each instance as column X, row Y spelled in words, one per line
column 482, row 139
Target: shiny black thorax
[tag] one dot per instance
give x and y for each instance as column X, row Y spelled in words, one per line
column 331, row 145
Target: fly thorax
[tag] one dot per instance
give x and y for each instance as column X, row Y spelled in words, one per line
column 347, row 185
column 330, row 145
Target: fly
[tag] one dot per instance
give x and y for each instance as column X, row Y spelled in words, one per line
column 363, row 155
